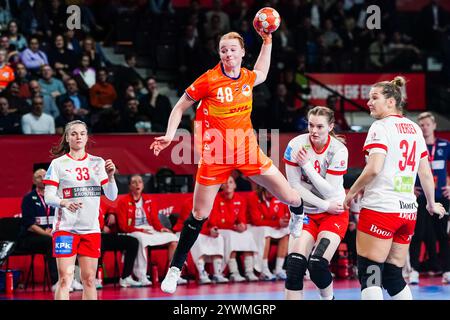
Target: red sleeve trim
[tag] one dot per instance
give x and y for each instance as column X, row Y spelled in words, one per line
column 290, row 163
column 51, row 182
column 105, row 181
column 375, row 145
column 337, row 173
column 424, row 154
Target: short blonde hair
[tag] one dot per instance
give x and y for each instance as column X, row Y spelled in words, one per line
column 425, row 115
column 233, row 35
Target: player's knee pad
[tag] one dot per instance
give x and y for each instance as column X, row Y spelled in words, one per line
column 393, row 280
column 194, row 224
column 369, row 272
column 296, row 265
column 319, row 272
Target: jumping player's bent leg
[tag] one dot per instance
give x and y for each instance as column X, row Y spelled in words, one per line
column 276, row 183
column 393, row 280
column 203, row 202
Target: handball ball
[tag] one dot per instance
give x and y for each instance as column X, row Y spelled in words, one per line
column 267, row 19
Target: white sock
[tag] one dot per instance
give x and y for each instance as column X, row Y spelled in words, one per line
column 372, row 293
column 232, row 265
column 327, row 293
column 265, row 265
column 279, row 265
column 217, row 266
column 405, row 294
column 293, row 295
column 248, row 264
column 200, row 265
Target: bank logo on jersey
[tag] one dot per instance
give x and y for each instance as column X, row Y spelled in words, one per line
column 82, row 192
column 246, row 90
column 64, row 244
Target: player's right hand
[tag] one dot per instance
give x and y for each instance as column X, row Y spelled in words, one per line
column 335, row 208
column 71, row 206
column 160, row 144
column 436, row 208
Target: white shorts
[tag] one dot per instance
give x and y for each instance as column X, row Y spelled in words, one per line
column 237, row 241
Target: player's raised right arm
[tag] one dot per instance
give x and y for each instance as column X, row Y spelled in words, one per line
column 163, row 142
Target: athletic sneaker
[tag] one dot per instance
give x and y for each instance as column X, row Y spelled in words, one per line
column 446, row 277
column 236, row 277
column 281, row 275
column 204, row 278
column 181, row 281
column 296, row 224
column 266, row 275
column 413, row 277
column 129, row 282
column 169, row 284
column 250, row 276
column 145, row 282
column 218, row 278
column 76, row 285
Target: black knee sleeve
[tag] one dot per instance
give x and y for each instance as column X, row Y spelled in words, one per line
column 370, row 272
column 393, row 280
column 319, row 272
column 297, row 210
column 188, row 236
column 296, row 265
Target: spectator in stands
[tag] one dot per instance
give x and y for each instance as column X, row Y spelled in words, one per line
column 209, row 247
column 109, row 121
column 429, row 228
column 111, row 240
column 379, row 53
column 32, row 18
column 57, row 16
column 229, row 217
column 103, row 94
column 88, row 47
column 158, row 7
column 61, row 59
column 316, row 13
column 72, row 42
column 137, row 215
column 5, row 16
column 32, row 57
column 16, row 39
column 402, row 55
column 340, row 123
column 213, row 29
column 37, row 222
column 23, row 80
column 126, row 74
column 50, row 107
column 133, row 118
column 9, row 122
column 223, row 18
column 433, row 23
column 156, row 106
column 282, row 110
column 6, row 73
column 331, row 37
column 49, row 84
column 85, row 74
column 268, row 219
column 37, row 122
column 67, row 115
column 79, row 101
column 16, row 103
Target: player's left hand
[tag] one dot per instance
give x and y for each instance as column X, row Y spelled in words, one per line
column 436, row 208
column 302, row 157
column 110, row 168
column 348, row 199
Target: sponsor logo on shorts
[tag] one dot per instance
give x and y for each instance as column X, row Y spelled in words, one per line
column 305, row 219
column 337, row 226
column 407, row 205
column 380, row 232
column 63, row 244
column 408, row 216
column 82, row 192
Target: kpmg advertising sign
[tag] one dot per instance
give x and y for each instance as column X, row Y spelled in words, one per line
column 356, row 87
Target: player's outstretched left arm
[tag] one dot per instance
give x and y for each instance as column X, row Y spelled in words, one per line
column 262, row 65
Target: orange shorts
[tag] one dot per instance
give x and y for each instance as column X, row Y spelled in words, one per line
column 66, row 244
column 211, row 174
column 399, row 226
column 316, row 223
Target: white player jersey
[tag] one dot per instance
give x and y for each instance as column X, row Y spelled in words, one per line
column 333, row 159
column 78, row 181
column 402, row 142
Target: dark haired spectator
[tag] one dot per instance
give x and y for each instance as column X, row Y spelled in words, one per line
column 132, row 116
column 23, row 79
column 79, row 101
column 32, row 57
column 33, row 19
column 5, row 15
column 84, row 75
column 16, row 103
column 16, row 39
column 126, row 74
column 67, row 115
column 156, row 106
column 61, row 58
column 9, row 122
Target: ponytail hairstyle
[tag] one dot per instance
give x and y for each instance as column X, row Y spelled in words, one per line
column 63, row 146
column 393, row 89
column 329, row 115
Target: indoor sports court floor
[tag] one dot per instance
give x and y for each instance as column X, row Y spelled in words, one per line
column 430, row 288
